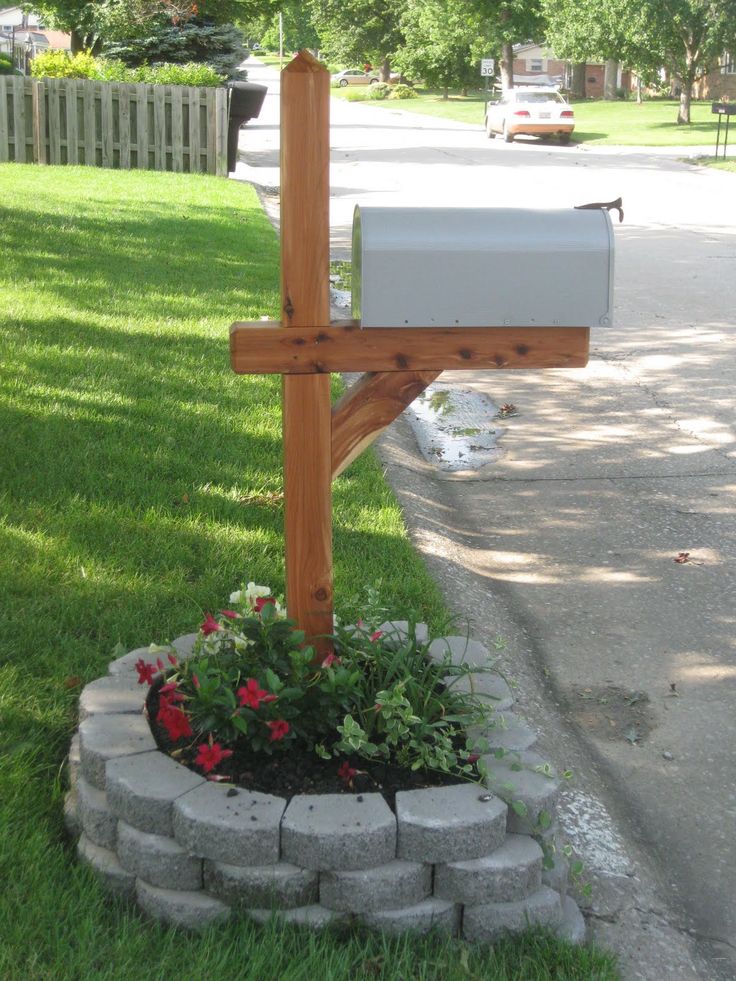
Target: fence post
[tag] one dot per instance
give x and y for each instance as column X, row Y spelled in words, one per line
column 4, row 129
column 38, row 98
column 221, row 121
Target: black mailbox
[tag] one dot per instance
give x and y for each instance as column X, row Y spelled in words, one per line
column 246, row 100
column 723, row 109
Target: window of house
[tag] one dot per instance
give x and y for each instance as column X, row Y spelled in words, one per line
column 536, row 65
column 728, row 63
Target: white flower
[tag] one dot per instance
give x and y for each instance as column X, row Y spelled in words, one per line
column 158, row 649
column 236, row 596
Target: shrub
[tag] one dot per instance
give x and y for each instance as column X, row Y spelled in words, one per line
column 59, row 64
column 169, row 74
column 6, row 64
column 401, row 91
column 378, row 90
column 218, row 45
column 355, row 95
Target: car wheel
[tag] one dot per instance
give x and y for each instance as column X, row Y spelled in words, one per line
column 373, row 81
column 489, row 130
column 564, row 138
column 342, row 83
column 507, row 137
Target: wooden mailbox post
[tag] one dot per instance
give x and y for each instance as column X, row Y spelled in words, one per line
column 320, row 439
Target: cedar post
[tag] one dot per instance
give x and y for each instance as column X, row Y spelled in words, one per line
column 305, row 302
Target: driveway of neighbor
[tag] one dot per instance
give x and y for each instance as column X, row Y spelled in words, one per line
column 566, row 544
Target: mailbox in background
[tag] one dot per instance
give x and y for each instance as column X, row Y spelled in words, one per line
column 482, row 267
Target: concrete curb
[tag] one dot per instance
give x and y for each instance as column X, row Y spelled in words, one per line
column 190, row 851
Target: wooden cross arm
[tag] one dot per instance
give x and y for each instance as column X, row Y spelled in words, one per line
column 265, row 347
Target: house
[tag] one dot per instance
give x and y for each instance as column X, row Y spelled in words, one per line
column 720, row 82
column 535, row 62
column 25, row 33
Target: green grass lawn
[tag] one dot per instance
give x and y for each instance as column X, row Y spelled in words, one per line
column 139, row 485
column 606, row 123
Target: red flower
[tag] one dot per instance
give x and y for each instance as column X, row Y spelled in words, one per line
column 346, row 772
column 210, row 625
column 252, row 696
column 168, row 694
column 145, row 671
column 261, row 601
column 208, row 757
column 473, row 757
column 172, row 659
column 329, row 660
column 279, row 728
column 230, row 614
column 174, row 721
column 195, row 680
column 376, row 635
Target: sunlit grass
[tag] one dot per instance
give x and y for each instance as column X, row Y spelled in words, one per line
column 139, row 485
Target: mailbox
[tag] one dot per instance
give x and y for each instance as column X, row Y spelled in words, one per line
column 482, row 267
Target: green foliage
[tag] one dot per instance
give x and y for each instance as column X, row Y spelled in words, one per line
column 378, row 91
column 440, row 38
column 358, row 30
column 299, row 31
column 60, row 64
column 402, row 92
column 253, row 679
column 218, row 45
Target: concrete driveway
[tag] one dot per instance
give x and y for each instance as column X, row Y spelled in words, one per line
column 566, row 545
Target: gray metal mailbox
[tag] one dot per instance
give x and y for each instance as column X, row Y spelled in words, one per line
column 482, row 267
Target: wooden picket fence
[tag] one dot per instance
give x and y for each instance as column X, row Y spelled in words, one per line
column 113, row 124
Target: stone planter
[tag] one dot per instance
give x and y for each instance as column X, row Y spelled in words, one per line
column 193, row 852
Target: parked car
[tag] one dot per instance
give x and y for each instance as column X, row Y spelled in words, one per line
column 354, row 76
column 530, row 112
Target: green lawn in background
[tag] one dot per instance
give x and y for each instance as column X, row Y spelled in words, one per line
column 621, row 123
column 139, row 485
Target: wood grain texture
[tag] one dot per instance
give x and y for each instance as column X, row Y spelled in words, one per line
column 39, row 122
column 371, row 404
column 307, row 413
column 72, row 129
column 266, row 348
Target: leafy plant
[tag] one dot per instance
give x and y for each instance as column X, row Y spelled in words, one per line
column 218, row 45
column 254, row 681
column 60, row 64
column 402, row 91
column 378, row 91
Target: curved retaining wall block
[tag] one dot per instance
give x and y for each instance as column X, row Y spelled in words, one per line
column 191, row 851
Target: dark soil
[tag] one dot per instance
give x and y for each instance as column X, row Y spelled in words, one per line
column 298, row 771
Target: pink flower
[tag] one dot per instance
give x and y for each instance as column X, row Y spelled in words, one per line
column 346, row 772
column 195, row 680
column 208, row 757
column 279, row 728
column 210, row 625
column 252, row 696
column 173, row 659
column 230, row 614
column 473, row 757
column 376, row 636
column 174, row 721
column 329, row 660
column 145, row 671
column 168, row 694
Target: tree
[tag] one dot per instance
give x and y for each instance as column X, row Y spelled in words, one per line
column 299, row 30
column 360, row 30
column 683, row 36
column 439, row 46
column 505, row 24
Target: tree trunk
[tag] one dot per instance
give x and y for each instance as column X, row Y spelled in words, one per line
column 507, row 65
column 385, row 72
column 683, row 111
column 639, row 99
column 577, row 87
column 610, row 78
column 445, row 94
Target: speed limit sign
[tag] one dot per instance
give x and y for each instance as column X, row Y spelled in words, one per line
column 487, row 66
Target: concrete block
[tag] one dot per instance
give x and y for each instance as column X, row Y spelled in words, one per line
column 489, row 921
column 488, row 686
column 71, row 814
column 125, row 665
column 73, row 761
column 536, row 791
column 315, row 917
column 452, row 824
column 99, row 823
column 510, row 873
column 105, row 737
column 190, row 910
column 338, row 831
column 112, row 694
column 383, row 887
column 400, row 630
column 110, row 872
column 460, row 650
column 159, row 860
column 572, row 926
column 431, row 914
column 558, row 877
column 282, row 885
column 508, row 732
column 238, row 827
column 141, row 789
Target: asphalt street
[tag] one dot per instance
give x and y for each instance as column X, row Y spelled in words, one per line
column 566, row 545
